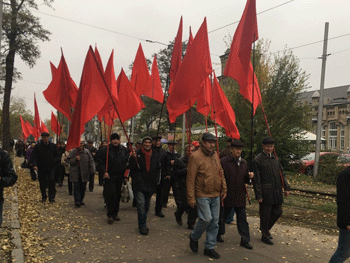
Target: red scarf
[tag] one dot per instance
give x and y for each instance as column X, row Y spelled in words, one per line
column 147, row 157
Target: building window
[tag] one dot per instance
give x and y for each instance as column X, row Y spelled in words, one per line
column 342, row 137
column 332, row 136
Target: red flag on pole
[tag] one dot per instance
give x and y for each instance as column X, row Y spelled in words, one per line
column 156, row 91
column 53, row 69
column 223, row 112
column 29, row 127
column 62, row 91
column 37, row 121
column 25, row 130
column 43, row 127
column 98, row 58
column 176, row 58
column 140, row 78
column 195, row 68
column 92, row 95
column 205, row 98
column 239, row 66
column 129, row 103
column 55, row 126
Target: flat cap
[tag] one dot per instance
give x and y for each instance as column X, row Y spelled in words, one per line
column 147, row 138
column 208, row 137
column 158, row 137
column 44, row 134
column 268, row 140
column 237, row 144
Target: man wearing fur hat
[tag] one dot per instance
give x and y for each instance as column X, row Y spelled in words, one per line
column 269, row 182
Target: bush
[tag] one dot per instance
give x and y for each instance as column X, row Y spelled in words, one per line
column 329, row 169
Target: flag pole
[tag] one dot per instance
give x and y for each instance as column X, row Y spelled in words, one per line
column 164, row 99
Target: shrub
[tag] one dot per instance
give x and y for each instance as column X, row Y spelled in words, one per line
column 329, row 169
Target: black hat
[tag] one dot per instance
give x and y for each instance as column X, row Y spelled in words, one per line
column 115, row 136
column 90, row 141
column 268, row 140
column 172, row 142
column 237, row 144
column 147, row 138
column 44, row 134
column 208, row 137
column 158, row 137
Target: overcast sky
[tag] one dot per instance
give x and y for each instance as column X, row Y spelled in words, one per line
column 296, row 23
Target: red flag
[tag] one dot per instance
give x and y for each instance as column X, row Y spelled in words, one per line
column 55, row 126
column 129, row 103
column 205, row 98
column 239, row 66
column 53, row 69
column 176, row 58
column 224, row 113
column 43, row 127
column 98, row 58
column 37, row 124
column 29, row 127
column 140, row 78
column 156, row 91
column 194, row 69
column 25, row 130
column 108, row 112
column 92, row 95
column 62, row 91
column 190, row 41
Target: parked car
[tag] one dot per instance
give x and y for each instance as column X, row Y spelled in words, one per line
column 344, row 159
column 308, row 161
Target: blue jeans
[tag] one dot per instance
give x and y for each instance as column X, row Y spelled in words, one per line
column 143, row 200
column 1, row 207
column 343, row 250
column 208, row 220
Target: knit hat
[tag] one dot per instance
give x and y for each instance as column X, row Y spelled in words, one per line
column 115, row 136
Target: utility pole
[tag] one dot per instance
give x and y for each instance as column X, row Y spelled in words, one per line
column 320, row 102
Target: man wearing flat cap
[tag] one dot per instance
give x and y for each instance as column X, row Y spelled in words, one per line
column 269, row 182
column 45, row 158
column 206, row 187
column 237, row 175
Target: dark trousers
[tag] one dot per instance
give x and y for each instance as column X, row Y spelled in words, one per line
column 112, row 190
column 159, row 205
column 79, row 191
column 143, row 200
column 47, row 181
column 32, row 172
column 242, row 223
column 61, row 174
column 100, row 178
column 91, row 182
column 180, row 196
column 269, row 214
column 70, row 185
column 167, row 184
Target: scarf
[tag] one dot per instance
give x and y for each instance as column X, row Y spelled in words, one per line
column 148, row 155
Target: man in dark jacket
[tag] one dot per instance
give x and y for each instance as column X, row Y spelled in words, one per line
column 44, row 161
column 113, row 174
column 343, row 218
column 93, row 150
column 145, row 174
column 237, row 175
column 269, row 182
column 8, row 176
column 29, row 157
column 59, row 171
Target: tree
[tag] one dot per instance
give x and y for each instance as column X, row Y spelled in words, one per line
column 22, row 31
column 280, row 80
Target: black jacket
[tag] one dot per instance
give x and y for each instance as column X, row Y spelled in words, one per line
column 7, row 173
column 267, row 179
column 142, row 180
column 343, row 198
column 117, row 160
column 169, row 168
column 45, row 156
column 162, row 153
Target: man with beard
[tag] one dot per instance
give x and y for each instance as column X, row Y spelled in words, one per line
column 113, row 175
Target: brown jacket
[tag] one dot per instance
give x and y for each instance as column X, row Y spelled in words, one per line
column 205, row 176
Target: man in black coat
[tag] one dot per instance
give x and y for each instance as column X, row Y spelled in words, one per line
column 113, row 174
column 343, row 217
column 8, row 176
column 237, row 175
column 45, row 159
column 93, row 150
column 145, row 173
column 269, row 182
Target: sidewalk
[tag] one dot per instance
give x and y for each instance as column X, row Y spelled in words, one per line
column 69, row 234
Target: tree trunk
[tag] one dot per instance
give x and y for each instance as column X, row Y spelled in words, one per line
column 6, row 134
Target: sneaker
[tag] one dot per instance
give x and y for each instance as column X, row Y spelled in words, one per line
column 160, row 214
column 266, row 240
column 219, row 239
column 246, row 245
column 143, row 231
column 178, row 219
column 110, row 220
column 193, row 245
column 211, row 253
column 116, row 218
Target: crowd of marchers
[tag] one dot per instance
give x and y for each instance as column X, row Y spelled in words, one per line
column 208, row 186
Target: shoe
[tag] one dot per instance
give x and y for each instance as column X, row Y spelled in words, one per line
column 160, row 214
column 82, row 203
column 70, row 193
column 246, row 245
column 91, row 190
column 193, row 245
column 77, row 204
column 52, row 201
column 143, row 231
column 219, row 239
column 269, row 236
column 110, row 220
column 211, row 253
column 116, row 218
column 178, row 219
column 190, row 227
column 43, row 200
column 147, row 228
column 266, row 240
